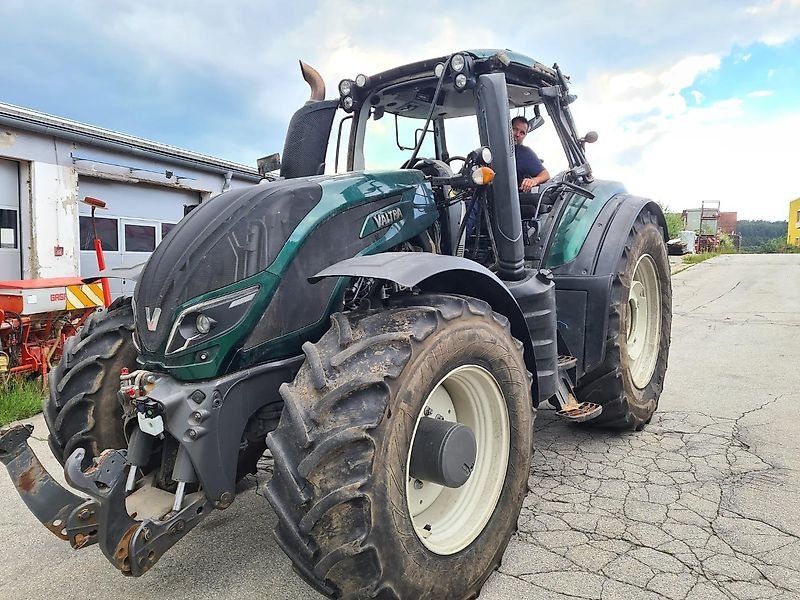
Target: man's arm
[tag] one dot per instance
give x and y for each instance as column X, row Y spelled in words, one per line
column 530, row 166
column 530, row 182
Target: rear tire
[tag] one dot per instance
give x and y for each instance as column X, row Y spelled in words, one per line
column 341, row 488
column 630, row 379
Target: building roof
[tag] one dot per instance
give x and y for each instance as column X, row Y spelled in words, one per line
column 27, row 119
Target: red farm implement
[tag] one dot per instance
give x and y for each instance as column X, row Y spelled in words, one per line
column 37, row 316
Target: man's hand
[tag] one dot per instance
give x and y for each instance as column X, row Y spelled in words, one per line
column 527, row 184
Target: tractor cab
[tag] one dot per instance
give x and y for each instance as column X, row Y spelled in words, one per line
column 437, row 116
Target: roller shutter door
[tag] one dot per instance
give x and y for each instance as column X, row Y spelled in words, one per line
column 136, row 218
column 9, row 221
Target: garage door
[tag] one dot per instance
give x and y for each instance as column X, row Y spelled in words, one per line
column 9, row 220
column 136, row 218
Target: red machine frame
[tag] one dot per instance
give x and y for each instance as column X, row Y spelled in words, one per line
column 36, row 318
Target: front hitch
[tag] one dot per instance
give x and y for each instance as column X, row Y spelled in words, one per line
column 68, row 516
column 133, row 546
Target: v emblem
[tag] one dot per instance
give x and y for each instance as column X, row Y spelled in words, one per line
column 152, row 321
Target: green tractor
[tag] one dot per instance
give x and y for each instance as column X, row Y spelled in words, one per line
column 386, row 334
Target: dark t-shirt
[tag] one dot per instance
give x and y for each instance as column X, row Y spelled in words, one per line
column 528, row 164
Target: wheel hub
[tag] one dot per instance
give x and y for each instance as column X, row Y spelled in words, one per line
column 466, row 407
column 443, row 453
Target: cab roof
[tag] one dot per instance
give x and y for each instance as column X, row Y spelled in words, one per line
column 409, row 89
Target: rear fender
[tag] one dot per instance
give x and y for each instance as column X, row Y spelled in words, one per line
column 444, row 274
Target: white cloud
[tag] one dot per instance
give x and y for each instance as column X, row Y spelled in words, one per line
column 632, row 63
column 761, row 93
column 713, row 153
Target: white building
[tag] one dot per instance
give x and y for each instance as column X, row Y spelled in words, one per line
column 48, row 165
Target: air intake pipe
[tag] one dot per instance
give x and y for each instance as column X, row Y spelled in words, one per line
column 495, row 132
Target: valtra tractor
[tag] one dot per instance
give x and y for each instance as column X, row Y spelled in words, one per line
column 387, row 334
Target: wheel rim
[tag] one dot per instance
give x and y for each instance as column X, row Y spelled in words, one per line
column 644, row 321
column 447, row 520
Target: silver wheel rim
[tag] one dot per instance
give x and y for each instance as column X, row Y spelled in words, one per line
column 447, row 520
column 644, row 321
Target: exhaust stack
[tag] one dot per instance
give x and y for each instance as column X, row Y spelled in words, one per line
column 314, row 80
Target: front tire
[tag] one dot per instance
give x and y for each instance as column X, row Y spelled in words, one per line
column 629, row 381
column 349, row 516
column 82, row 409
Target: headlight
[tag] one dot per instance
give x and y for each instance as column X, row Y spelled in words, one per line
column 457, row 63
column 345, row 87
column 347, row 103
column 438, row 69
column 486, row 155
column 361, row 80
column 203, row 323
column 461, row 81
column 210, row 319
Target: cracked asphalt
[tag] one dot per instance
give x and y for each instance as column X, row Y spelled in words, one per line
column 703, row 504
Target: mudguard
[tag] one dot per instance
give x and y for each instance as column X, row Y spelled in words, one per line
column 440, row 273
column 130, row 273
column 583, row 286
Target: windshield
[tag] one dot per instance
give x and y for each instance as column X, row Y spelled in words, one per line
column 382, row 150
column 389, row 142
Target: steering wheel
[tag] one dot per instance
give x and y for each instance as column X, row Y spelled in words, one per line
column 451, row 159
column 420, row 160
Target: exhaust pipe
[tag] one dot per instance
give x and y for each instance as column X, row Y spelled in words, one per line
column 314, row 80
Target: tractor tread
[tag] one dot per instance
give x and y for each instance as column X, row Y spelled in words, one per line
column 327, row 440
column 624, row 407
column 77, row 411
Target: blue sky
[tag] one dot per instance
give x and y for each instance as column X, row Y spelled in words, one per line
column 766, row 77
column 692, row 100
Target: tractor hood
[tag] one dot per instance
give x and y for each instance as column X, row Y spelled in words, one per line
column 228, row 287
column 232, row 237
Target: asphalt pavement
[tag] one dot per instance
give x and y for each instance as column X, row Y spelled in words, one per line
column 703, row 504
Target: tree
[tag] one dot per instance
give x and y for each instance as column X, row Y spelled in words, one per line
column 674, row 224
column 756, row 233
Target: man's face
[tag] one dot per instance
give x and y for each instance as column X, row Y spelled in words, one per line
column 520, row 130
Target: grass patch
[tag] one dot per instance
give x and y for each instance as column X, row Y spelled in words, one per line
column 19, row 399
column 693, row 259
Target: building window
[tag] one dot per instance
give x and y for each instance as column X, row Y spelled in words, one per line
column 106, row 232
column 166, row 228
column 140, row 238
column 8, row 228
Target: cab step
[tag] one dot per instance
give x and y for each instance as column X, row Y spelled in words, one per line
column 568, row 406
column 579, row 412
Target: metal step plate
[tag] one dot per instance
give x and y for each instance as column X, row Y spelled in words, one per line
column 566, row 362
column 585, row 411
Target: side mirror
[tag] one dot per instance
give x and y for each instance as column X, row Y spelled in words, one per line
column 589, row 138
column 535, row 123
column 268, row 164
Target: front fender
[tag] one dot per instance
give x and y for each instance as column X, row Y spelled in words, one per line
column 583, row 286
column 444, row 274
column 600, row 252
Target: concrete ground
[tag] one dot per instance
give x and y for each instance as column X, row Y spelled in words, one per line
column 676, row 264
column 703, row 504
